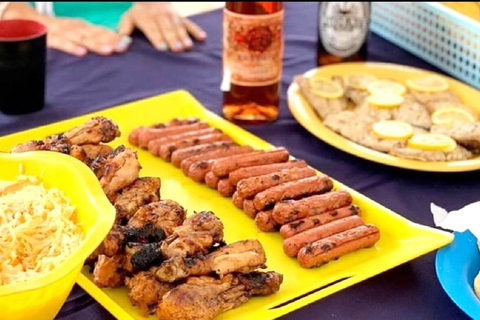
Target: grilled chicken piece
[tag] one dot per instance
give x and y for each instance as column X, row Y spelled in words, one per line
column 57, row 143
column 141, row 256
column 92, row 151
column 466, row 134
column 119, row 236
column 435, row 100
column 163, row 214
column 322, row 106
column 243, row 256
column 109, row 272
column 129, row 199
column 195, row 236
column 204, row 298
column 145, row 291
column 94, row 131
column 117, row 170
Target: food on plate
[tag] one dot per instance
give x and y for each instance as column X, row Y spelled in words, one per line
column 295, row 227
column 165, row 151
column 466, row 135
column 323, row 106
column 292, row 245
column 242, row 173
column 452, row 117
column 327, row 249
column 386, row 87
column 317, row 184
column 291, row 210
column 428, row 84
column 381, row 111
column 476, row 285
column 280, row 193
column 154, row 145
column 148, row 134
column 228, row 150
column 38, row 229
column 251, row 186
column 206, row 297
column 432, row 141
column 392, row 129
column 151, row 235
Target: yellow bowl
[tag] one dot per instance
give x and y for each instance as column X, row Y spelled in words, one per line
column 41, row 298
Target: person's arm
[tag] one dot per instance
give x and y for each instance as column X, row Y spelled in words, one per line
column 162, row 25
column 20, row 10
column 73, row 36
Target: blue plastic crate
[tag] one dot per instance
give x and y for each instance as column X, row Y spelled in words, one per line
column 435, row 33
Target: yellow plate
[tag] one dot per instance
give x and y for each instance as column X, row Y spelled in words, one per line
column 401, row 240
column 306, row 116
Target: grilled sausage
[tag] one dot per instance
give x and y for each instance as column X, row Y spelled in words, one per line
column 211, row 180
column 198, row 170
column 220, row 153
column 292, row 245
column 295, row 227
column 322, row 251
column 225, row 188
column 248, row 172
column 249, row 208
column 251, row 186
column 179, row 155
column 288, row 211
column 134, row 134
column 292, row 190
column 145, row 135
column 166, row 150
column 264, row 221
column 237, row 200
column 154, row 145
column 222, row 167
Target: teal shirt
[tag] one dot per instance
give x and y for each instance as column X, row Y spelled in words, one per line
column 106, row 14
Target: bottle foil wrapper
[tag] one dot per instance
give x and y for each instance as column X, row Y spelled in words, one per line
column 466, row 218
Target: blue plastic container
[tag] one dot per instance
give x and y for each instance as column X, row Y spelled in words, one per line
column 433, row 32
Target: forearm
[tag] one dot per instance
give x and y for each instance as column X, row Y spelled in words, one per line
column 21, row 10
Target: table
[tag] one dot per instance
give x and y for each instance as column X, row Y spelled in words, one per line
column 76, row 86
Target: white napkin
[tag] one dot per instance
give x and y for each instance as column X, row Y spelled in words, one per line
column 460, row 220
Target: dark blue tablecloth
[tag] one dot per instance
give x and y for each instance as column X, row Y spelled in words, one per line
column 77, row 86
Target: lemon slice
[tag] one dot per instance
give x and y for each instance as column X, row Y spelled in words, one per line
column 428, row 84
column 386, row 86
column 393, row 129
column 451, row 116
column 325, row 88
column 432, row 142
column 385, row 100
column 359, row 81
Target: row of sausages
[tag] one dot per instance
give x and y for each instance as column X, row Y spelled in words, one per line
column 318, row 224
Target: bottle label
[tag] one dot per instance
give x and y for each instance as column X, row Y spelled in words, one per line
column 252, row 49
column 344, row 27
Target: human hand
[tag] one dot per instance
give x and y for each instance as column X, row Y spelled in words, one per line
column 73, row 36
column 162, row 25
column 78, row 37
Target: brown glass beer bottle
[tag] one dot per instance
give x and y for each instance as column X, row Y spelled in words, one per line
column 252, row 61
column 343, row 29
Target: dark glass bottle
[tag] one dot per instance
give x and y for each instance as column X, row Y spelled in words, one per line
column 343, row 29
column 252, row 61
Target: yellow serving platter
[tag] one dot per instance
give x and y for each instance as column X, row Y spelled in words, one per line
column 401, row 240
column 307, row 117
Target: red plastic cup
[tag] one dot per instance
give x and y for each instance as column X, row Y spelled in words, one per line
column 23, row 46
